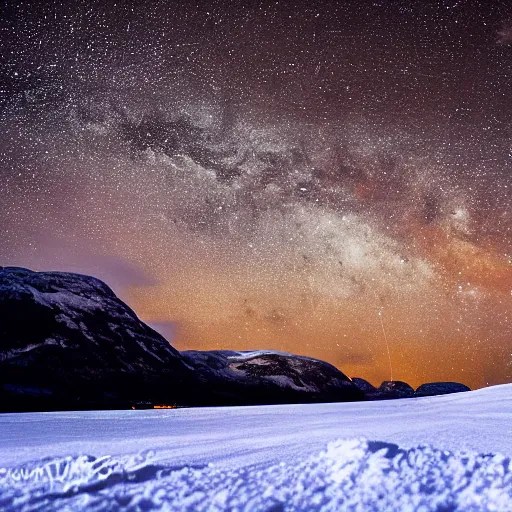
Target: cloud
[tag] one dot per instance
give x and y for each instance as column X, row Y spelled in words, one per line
column 505, row 34
column 356, row 358
column 66, row 254
column 121, row 272
column 167, row 329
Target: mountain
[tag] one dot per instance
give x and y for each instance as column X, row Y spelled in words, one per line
column 66, row 340
column 265, row 377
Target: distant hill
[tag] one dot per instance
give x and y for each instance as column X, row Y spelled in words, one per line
column 270, row 377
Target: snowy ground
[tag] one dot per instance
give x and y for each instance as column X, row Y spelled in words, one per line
column 449, row 453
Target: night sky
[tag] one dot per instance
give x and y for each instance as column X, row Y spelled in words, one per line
column 323, row 178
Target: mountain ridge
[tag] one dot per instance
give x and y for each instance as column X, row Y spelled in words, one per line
column 67, row 341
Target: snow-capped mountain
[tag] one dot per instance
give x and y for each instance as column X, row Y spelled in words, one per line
column 270, row 377
column 67, row 339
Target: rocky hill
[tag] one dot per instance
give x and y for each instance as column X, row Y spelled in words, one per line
column 270, row 377
column 67, row 340
column 389, row 390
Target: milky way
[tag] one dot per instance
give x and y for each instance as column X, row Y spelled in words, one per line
column 328, row 179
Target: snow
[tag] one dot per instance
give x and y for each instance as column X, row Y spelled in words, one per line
column 287, row 382
column 450, row 452
column 66, row 301
column 250, row 354
column 10, row 354
column 142, row 345
column 349, row 475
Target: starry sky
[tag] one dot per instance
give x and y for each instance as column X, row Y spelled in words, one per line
column 324, row 178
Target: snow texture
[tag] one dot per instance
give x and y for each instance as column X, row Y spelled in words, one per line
column 446, row 453
column 351, row 475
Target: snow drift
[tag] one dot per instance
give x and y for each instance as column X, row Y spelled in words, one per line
column 349, row 475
